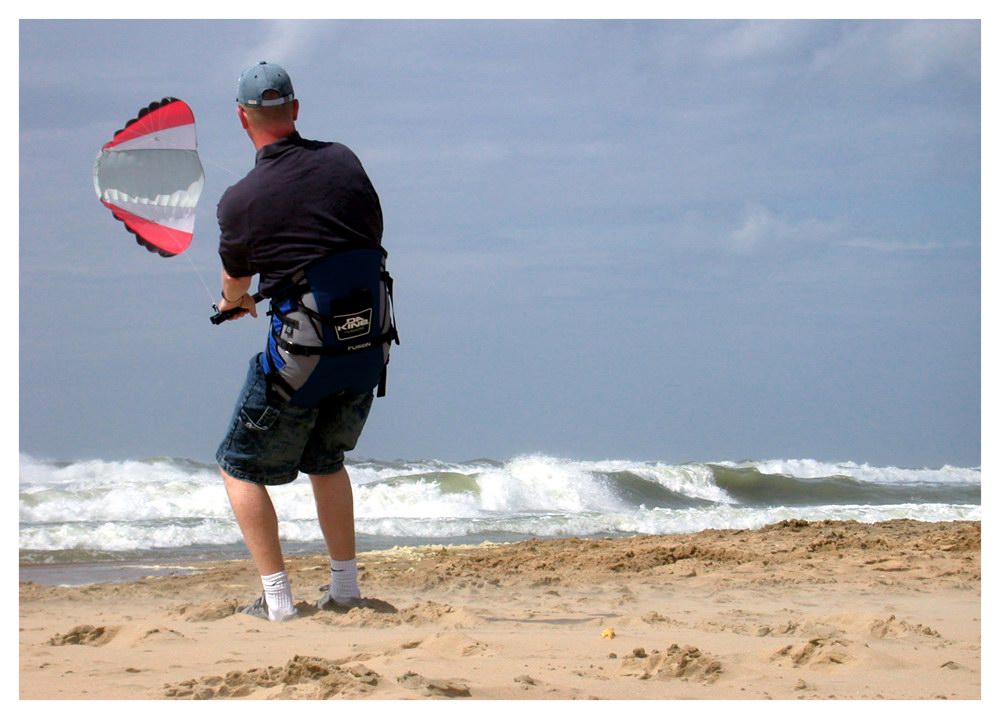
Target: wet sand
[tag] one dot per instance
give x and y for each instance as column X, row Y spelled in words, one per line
column 792, row 611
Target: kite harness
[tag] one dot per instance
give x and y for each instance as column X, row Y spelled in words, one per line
column 331, row 327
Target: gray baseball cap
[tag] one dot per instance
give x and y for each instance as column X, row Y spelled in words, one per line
column 258, row 79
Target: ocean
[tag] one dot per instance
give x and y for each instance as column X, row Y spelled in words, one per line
column 98, row 520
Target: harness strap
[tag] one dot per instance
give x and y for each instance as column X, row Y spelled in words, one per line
column 387, row 279
column 381, row 381
column 277, row 382
column 312, row 350
column 285, row 319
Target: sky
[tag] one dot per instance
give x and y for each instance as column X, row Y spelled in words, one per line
column 663, row 240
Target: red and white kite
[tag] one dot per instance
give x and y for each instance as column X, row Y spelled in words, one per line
column 150, row 176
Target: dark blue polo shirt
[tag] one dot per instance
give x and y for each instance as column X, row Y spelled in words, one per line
column 301, row 201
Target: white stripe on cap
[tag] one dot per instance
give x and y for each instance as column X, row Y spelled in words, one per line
column 271, row 103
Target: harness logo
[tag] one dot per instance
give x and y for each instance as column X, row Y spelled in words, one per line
column 356, row 324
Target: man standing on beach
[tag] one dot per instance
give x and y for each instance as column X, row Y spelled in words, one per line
column 303, row 201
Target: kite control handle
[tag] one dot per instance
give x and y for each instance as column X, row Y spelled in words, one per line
column 219, row 317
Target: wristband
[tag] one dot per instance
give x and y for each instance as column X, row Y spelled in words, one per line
column 232, row 302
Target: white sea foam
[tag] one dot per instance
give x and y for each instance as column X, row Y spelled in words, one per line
column 813, row 469
column 151, row 505
column 532, row 484
column 412, row 500
column 692, row 480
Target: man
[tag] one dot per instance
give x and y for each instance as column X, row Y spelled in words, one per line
column 302, row 202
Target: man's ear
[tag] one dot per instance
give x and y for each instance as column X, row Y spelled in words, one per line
column 295, row 110
column 242, row 115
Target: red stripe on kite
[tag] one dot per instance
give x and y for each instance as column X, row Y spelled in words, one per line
column 163, row 239
column 172, row 113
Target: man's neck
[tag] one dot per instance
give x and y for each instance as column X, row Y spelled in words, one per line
column 263, row 138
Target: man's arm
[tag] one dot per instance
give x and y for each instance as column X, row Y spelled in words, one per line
column 234, row 294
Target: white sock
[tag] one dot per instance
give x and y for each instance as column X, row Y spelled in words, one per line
column 278, row 594
column 344, row 579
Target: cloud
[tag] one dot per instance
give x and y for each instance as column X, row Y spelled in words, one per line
column 854, row 58
column 762, row 41
column 763, row 230
column 289, row 43
column 921, row 50
column 887, row 53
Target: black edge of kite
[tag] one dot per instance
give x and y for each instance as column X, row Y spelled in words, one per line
column 143, row 242
column 150, row 246
column 145, row 111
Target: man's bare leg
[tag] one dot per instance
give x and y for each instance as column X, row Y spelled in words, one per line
column 258, row 521
column 335, row 510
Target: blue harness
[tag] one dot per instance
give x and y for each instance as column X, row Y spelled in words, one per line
column 331, row 327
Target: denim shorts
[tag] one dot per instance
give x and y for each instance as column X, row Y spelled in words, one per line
column 270, row 441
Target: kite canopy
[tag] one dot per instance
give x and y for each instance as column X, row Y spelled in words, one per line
column 150, row 176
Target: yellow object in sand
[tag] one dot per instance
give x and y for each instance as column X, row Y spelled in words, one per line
column 608, row 633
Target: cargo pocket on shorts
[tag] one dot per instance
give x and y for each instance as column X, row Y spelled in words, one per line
column 259, row 421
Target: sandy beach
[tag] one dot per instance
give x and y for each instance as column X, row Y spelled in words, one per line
column 791, row 611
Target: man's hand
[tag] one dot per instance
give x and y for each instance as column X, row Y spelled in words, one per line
column 235, row 295
column 245, row 304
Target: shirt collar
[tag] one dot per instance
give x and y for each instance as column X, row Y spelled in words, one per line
column 278, row 146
